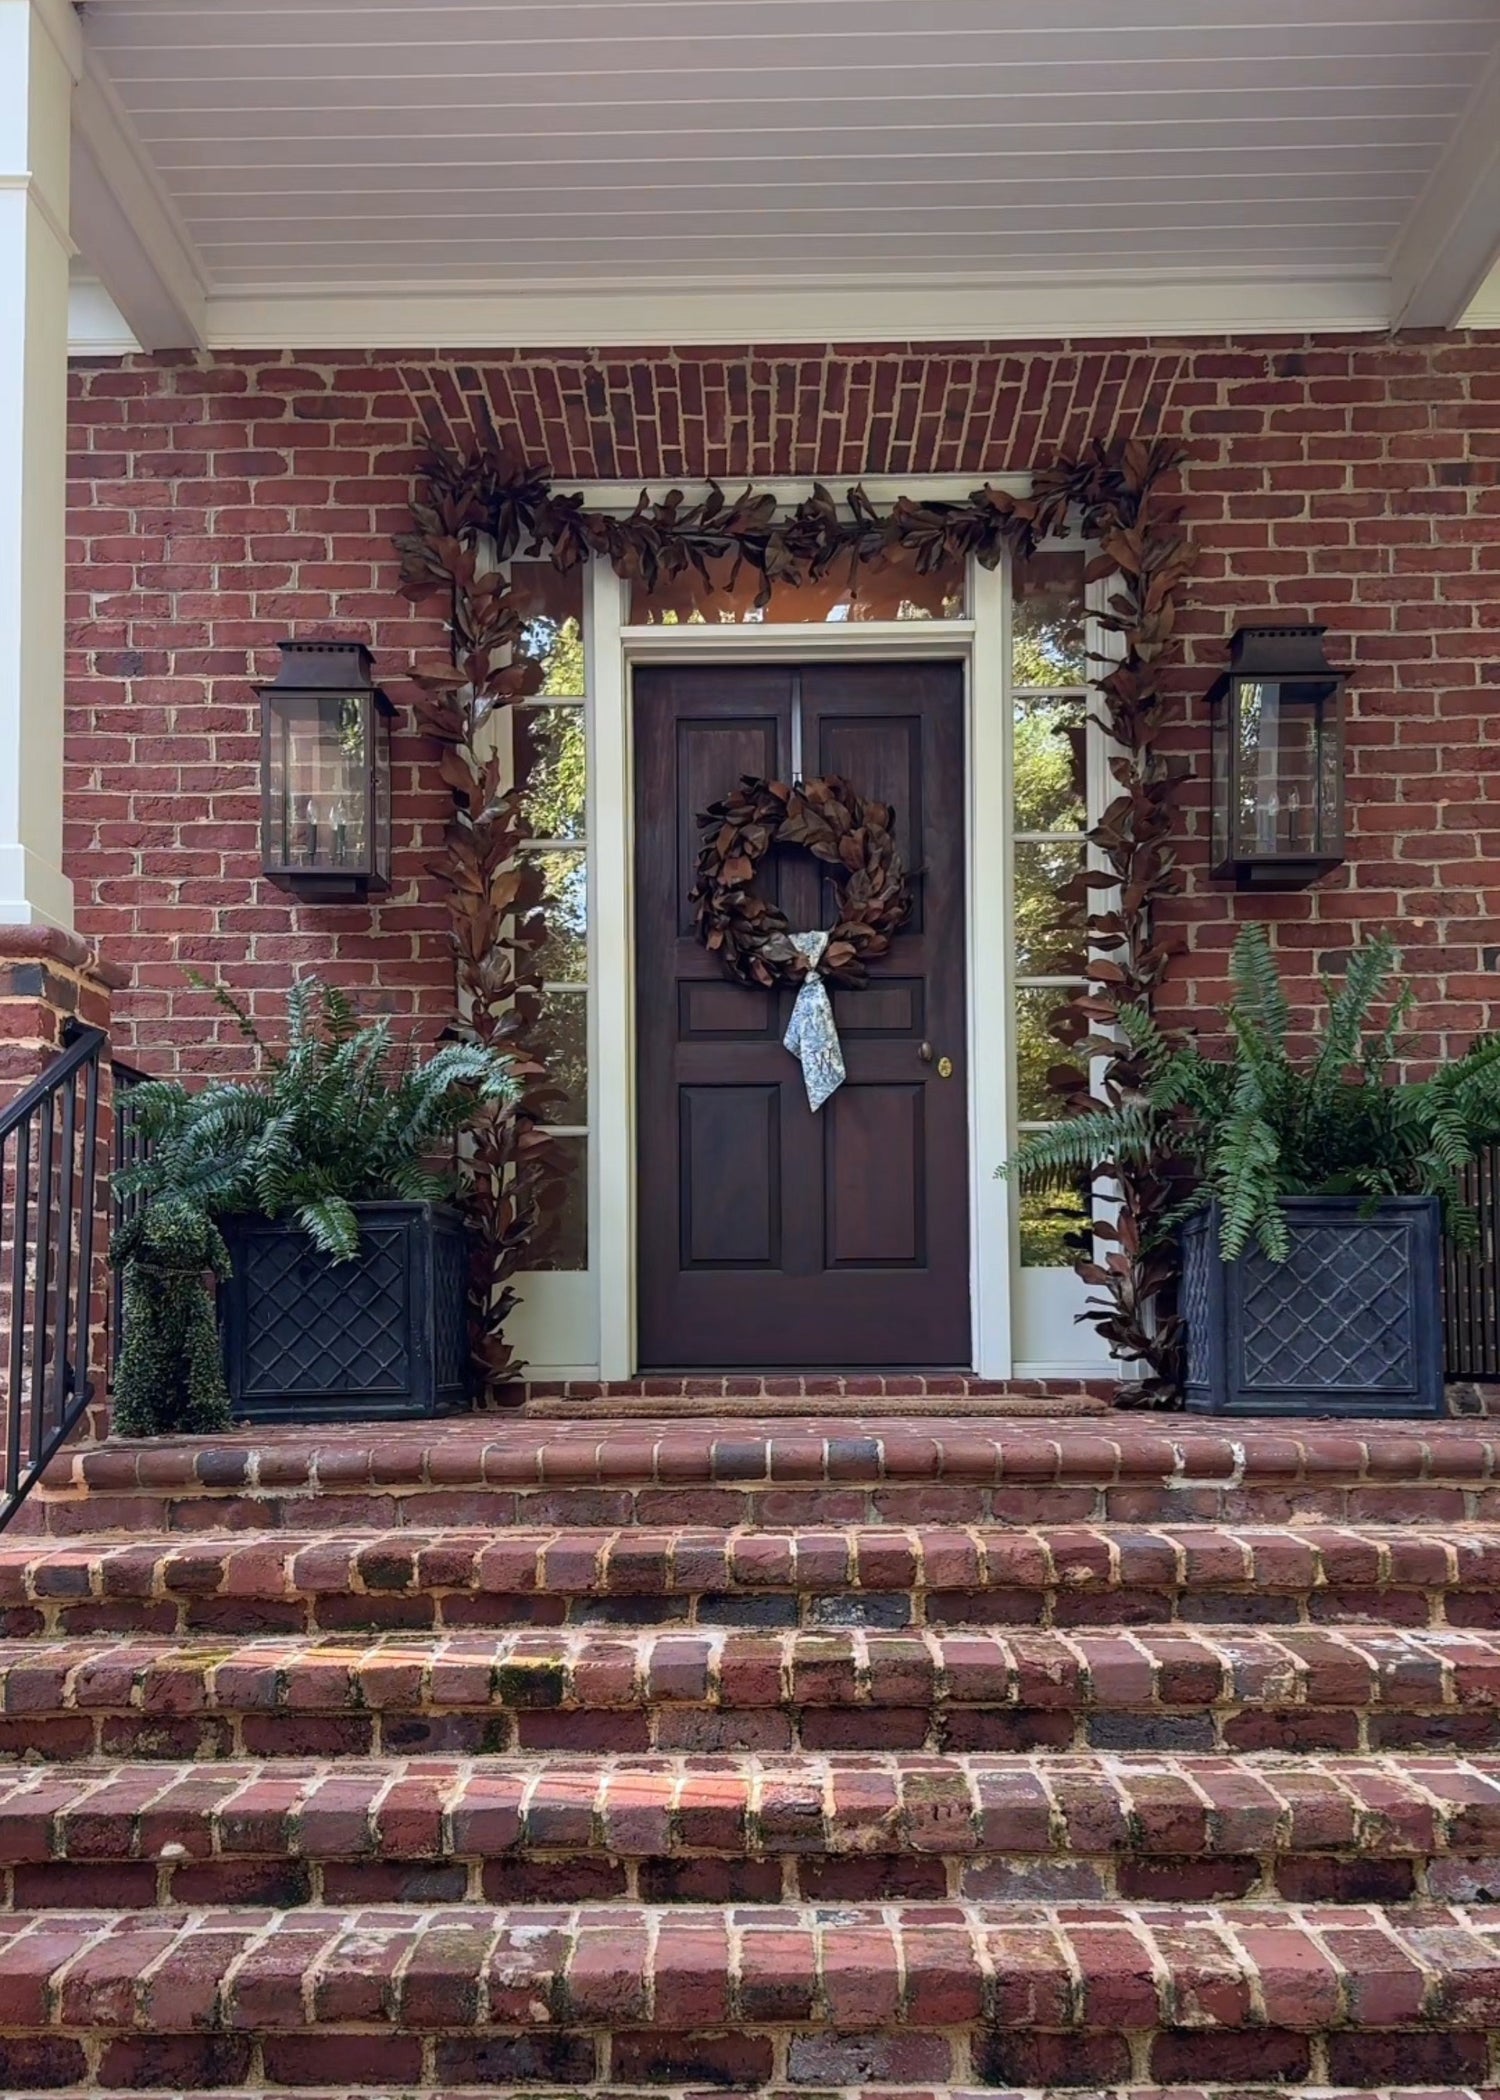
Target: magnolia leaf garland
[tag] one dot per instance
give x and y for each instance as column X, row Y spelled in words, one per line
column 478, row 506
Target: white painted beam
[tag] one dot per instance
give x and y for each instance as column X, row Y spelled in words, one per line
column 1452, row 239
column 1135, row 303
column 96, row 326
column 126, row 228
column 1483, row 310
column 38, row 55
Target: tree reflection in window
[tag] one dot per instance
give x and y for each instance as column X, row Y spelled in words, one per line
column 1049, row 820
column 551, row 753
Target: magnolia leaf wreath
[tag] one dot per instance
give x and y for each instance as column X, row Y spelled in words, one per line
column 753, row 938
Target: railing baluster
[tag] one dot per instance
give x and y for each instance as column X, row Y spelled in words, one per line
column 1471, row 1280
column 18, row 1320
column 47, row 1207
column 83, row 1384
column 67, row 1163
column 42, row 1292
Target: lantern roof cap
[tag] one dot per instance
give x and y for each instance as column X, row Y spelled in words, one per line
column 326, row 667
column 1275, row 650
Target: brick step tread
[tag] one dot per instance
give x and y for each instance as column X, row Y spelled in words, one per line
column 1060, row 1969
column 1171, row 1688
column 1010, row 1573
column 1241, row 2091
column 500, row 1473
column 750, row 1829
column 506, row 1452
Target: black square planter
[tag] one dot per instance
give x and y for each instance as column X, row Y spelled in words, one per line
column 384, row 1336
column 1350, row 1324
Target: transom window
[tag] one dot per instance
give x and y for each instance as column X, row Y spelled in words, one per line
column 894, row 588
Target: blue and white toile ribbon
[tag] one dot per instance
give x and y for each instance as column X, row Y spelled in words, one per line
column 811, row 1035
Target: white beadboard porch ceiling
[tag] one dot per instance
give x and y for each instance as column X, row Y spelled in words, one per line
column 323, row 157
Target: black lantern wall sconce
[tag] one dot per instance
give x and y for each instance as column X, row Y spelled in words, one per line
column 1277, row 820
column 325, row 821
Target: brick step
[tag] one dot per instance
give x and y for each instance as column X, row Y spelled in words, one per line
column 1289, row 1688
column 1236, row 2089
column 732, row 1397
column 743, row 1829
column 901, row 1994
column 892, row 1576
column 497, row 1472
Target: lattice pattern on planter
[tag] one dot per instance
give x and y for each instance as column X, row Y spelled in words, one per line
column 310, row 1309
column 1338, row 1312
column 1197, row 1252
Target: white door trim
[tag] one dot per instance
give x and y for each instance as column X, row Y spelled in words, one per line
column 611, row 830
column 931, row 641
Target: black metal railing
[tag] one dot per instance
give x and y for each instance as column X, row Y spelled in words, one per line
column 1471, row 1281
column 49, row 1145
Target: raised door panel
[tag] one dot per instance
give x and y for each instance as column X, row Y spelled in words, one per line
column 875, row 1193
column 730, row 1158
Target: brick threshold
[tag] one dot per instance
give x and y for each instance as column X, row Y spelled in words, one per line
column 736, row 1397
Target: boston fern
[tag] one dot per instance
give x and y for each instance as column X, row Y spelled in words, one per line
column 1262, row 1123
column 343, row 1115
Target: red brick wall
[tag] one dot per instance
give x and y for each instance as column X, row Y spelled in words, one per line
column 219, row 504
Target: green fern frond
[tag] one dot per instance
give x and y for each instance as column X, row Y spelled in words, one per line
column 1055, row 1157
column 331, row 1225
column 1259, row 996
column 1260, row 1125
column 1349, row 1008
column 344, row 1115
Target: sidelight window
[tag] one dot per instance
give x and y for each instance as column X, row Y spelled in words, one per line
column 550, row 746
column 1050, row 746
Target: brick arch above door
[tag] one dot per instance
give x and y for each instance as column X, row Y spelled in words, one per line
column 835, row 409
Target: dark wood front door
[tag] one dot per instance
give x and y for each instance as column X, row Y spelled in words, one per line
column 769, row 1236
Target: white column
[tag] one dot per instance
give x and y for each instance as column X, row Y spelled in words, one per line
column 40, row 58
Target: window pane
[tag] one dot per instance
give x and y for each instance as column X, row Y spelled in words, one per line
column 549, row 742
column 564, row 953
column 1047, row 635
column 1053, row 1226
column 1050, row 761
column 562, row 1037
column 1049, row 935
column 892, row 589
column 562, row 1236
column 552, row 606
column 1037, row 1049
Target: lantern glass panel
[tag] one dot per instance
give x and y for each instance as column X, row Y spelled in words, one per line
column 379, row 730
column 1285, row 768
column 319, row 777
